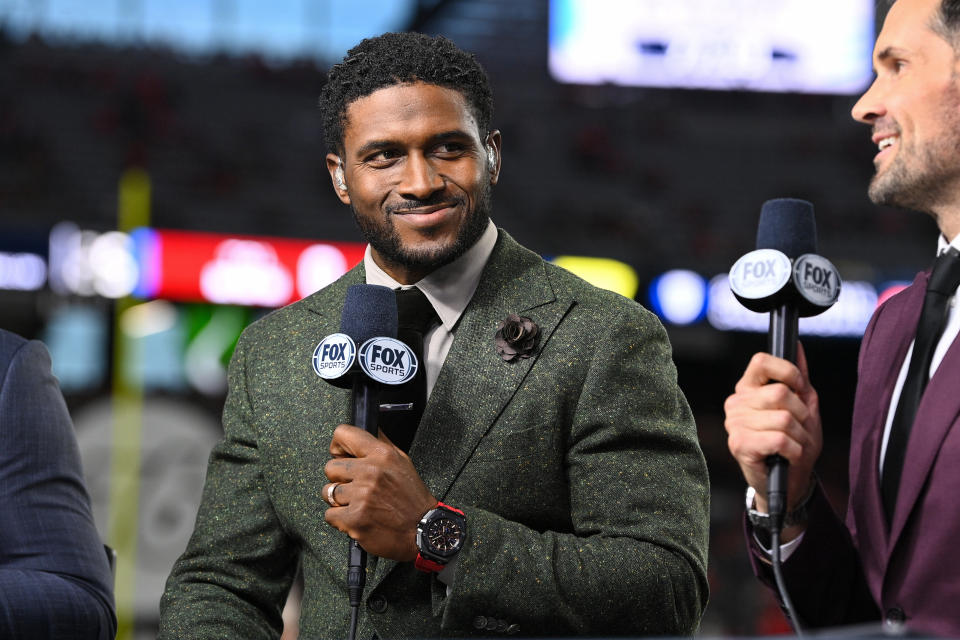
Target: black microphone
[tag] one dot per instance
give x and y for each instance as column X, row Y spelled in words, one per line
column 786, row 277
column 368, row 319
column 366, row 353
column 369, row 312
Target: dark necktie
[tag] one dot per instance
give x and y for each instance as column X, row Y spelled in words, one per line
column 415, row 316
column 943, row 283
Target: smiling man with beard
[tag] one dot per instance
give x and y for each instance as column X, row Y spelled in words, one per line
column 420, row 222
column 894, row 559
column 574, row 492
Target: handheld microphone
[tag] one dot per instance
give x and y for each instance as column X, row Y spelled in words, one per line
column 369, row 311
column 368, row 319
column 786, row 277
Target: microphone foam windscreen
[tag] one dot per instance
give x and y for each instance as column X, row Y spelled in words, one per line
column 787, row 225
column 369, row 311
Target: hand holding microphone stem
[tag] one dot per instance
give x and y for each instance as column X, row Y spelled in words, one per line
column 775, row 410
column 380, row 494
column 773, row 418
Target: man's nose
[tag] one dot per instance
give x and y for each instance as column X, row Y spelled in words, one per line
column 870, row 105
column 420, row 178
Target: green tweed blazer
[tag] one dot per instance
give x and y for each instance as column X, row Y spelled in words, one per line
column 579, row 471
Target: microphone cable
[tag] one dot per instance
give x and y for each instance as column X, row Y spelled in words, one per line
column 356, row 580
column 777, row 508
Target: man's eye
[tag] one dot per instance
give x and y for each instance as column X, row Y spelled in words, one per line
column 385, row 156
column 449, row 149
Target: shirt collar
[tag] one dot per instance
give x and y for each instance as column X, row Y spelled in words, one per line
column 942, row 243
column 449, row 288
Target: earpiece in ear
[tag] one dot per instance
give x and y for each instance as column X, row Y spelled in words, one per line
column 338, row 176
column 491, row 158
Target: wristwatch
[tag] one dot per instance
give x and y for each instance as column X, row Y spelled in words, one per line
column 440, row 537
column 762, row 520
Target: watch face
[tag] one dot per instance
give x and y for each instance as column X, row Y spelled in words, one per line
column 444, row 536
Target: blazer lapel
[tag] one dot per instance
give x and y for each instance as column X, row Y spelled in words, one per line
column 878, row 376
column 475, row 384
column 937, row 412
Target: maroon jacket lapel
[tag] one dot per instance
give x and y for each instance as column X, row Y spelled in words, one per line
column 936, row 414
column 883, row 350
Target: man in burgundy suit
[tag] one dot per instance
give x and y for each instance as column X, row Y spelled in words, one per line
column 897, row 556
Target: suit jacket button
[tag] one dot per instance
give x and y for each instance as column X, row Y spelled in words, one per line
column 377, row 603
column 513, row 629
column 480, row 622
column 895, row 617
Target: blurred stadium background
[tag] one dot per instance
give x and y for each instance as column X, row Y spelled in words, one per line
column 162, row 184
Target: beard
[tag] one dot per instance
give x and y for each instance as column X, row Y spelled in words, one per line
column 922, row 179
column 925, row 184
column 384, row 238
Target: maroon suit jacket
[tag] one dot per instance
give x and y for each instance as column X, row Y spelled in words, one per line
column 843, row 574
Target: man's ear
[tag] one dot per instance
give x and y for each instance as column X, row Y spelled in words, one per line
column 493, row 146
column 335, row 168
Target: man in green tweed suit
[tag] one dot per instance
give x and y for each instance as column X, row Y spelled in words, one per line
column 570, row 452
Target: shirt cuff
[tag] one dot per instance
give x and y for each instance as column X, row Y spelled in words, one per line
column 786, row 549
column 448, row 573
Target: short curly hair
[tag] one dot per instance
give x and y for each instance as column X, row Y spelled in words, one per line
column 399, row 58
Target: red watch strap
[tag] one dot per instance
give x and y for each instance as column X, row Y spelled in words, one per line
column 446, row 506
column 428, row 565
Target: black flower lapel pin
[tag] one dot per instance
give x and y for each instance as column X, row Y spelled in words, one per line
column 516, row 337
